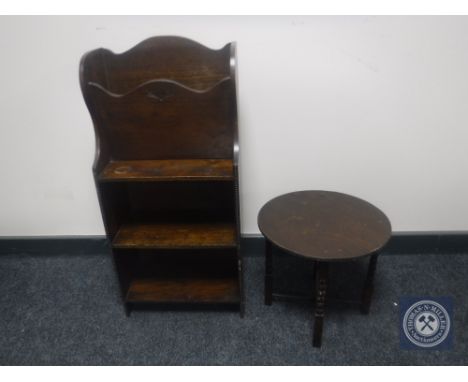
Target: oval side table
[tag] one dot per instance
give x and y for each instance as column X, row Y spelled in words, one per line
column 323, row 226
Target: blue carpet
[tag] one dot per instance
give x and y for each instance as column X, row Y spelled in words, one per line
column 65, row 310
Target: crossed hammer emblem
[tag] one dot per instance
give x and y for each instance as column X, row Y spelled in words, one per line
column 427, row 322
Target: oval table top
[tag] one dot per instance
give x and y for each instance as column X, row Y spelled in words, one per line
column 324, row 225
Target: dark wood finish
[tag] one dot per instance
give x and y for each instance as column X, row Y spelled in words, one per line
column 185, row 290
column 369, row 285
column 166, row 169
column 167, row 278
column 147, row 123
column 177, row 202
column 323, row 226
column 268, row 273
column 176, row 236
column 321, row 282
column 165, row 57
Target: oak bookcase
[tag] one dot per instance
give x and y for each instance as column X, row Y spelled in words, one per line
column 166, row 170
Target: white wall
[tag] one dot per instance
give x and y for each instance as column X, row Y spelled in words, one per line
column 372, row 106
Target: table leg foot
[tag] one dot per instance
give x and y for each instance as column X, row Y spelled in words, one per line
column 321, row 282
column 128, row 309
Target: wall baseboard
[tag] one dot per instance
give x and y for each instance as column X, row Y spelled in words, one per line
column 54, row 245
column 406, row 243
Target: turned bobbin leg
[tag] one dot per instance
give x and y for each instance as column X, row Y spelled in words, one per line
column 369, row 285
column 268, row 272
column 321, row 283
